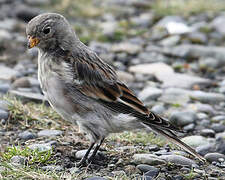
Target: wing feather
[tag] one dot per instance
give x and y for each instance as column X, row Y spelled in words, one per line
column 100, row 82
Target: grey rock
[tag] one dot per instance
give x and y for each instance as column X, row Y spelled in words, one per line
column 4, row 105
column 162, row 152
column 202, row 116
column 80, row 154
column 204, row 123
column 22, row 82
column 3, row 121
column 209, row 63
column 195, row 141
column 196, row 51
column 175, row 96
column 7, row 73
column 173, row 24
column 198, row 38
column 125, row 76
column 206, row 108
column 4, row 87
column 214, row 156
column 108, row 28
column 33, row 82
column 218, row 24
column 96, row 178
column 207, row 97
column 151, row 57
column 40, row 147
column 20, row 160
column 189, row 127
column 166, row 74
column 204, row 149
column 145, row 168
column 177, row 159
column 219, row 118
column 218, row 127
column 26, row 135
column 153, row 68
column 222, row 90
column 181, row 80
column 49, row 133
column 222, row 83
column 8, row 24
column 220, row 135
column 127, row 47
column 149, row 159
column 153, row 148
column 4, row 114
column 4, row 36
column 28, row 96
column 52, row 168
column 143, row 20
column 220, row 145
column 207, row 133
column 183, row 118
column 37, row 2
column 158, row 109
column 149, row 93
column 152, row 173
column 170, row 41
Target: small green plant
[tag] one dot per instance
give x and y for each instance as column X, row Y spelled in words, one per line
column 32, row 115
column 190, row 175
column 176, row 105
column 32, row 156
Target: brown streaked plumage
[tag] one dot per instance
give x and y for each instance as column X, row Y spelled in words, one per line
column 85, row 90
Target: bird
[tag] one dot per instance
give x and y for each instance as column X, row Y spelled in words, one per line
column 86, row 91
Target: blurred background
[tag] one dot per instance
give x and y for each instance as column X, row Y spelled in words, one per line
column 169, row 52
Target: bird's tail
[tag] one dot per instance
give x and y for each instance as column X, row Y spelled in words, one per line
column 173, row 138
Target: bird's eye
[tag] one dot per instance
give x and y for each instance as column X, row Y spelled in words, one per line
column 46, row 30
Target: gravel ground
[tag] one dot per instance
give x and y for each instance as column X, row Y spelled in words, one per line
column 172, row 58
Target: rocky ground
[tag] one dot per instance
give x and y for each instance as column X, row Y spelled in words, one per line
column 170, row 54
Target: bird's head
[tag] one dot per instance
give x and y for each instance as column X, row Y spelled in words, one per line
column 49, row 30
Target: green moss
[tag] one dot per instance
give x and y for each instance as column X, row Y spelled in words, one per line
column 32, row 156
column 138, row 138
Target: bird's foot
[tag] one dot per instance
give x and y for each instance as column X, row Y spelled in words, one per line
column 82, row 163
column 85, row 162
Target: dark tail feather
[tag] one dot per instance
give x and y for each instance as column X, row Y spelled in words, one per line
column 173, row 138
column 156, row 121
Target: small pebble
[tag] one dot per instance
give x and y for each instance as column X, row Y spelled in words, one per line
column 145, row 167
column 26, row 135
column 207, row 133
column 153, row 172
column 214, row 156
column 4, row 114
column 20, row 160
column 50, row 133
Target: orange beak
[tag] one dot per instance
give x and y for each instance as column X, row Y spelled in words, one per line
column 32, row 42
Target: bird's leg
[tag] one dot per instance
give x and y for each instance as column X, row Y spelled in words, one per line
column 95, row 151
column 84, row 159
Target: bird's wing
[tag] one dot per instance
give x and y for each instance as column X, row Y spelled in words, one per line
column 98, row 80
